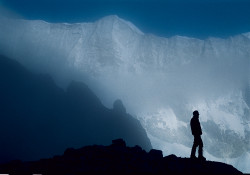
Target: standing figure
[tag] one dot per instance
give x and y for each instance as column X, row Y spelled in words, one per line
column 197, row 132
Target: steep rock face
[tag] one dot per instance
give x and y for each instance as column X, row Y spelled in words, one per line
column 161, row 80
column 111, row 44
column 38, row 119
column 116, row 158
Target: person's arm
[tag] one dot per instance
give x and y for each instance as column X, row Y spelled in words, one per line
column 200, row 130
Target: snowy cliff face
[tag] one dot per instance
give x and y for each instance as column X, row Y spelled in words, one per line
column 161, row 80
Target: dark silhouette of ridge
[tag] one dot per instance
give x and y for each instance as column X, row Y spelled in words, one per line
column 38, row 119
column 116, row 158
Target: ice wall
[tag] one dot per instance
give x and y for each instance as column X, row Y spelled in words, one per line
column 160, row 80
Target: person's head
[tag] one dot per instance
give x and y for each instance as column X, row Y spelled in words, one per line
column 196, row 113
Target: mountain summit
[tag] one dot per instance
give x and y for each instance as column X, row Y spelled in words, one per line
column 119, row 24
column 161, row 80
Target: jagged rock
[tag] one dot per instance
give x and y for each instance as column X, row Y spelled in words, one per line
column 119, row 143
column 119, row 107
column 136, row 149
column 155, row 154
column 108, row 160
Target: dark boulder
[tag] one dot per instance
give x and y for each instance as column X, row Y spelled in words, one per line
column 119, row 143
column 155, row 154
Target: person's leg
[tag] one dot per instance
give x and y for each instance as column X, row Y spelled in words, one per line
column 195, row 144
column 200, row 143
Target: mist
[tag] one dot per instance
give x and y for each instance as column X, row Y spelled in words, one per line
column 160, row 80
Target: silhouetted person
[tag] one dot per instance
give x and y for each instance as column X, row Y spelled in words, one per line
column 197, row 132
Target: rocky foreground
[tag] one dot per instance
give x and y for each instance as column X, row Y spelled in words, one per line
column 116, row 158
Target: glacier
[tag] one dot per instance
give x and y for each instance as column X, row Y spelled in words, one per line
column 160, row 80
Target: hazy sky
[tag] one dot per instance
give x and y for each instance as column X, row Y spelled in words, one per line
column 196, row 18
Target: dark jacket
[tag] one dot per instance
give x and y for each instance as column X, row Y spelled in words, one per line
column 195, row 126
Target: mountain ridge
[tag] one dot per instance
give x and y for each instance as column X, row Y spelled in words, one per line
column 178, row 74
column 117, row 18
column 39, row 119
column 116, row 158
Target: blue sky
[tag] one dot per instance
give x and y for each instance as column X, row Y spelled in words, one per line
column 201, row 19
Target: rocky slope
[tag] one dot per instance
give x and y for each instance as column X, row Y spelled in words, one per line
column 116, row 158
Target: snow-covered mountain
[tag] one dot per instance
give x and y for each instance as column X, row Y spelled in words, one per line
column 161, row 80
